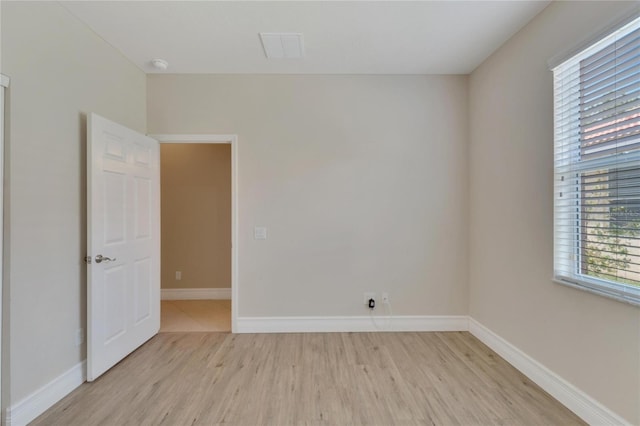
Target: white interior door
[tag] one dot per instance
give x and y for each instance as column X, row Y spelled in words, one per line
column 123, row 221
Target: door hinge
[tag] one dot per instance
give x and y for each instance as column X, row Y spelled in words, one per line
column 87, row 260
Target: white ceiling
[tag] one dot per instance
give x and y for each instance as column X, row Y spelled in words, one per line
column 340, row 37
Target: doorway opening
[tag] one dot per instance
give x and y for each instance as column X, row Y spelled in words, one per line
column 198, row 223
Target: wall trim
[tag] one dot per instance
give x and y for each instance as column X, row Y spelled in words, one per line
column 194, row 138
column 351, row 324
column 4, row 83
column 583, row 405
column 195, row 293
column 42, row 399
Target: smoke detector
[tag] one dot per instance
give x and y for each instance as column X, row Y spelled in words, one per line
column 159, row 64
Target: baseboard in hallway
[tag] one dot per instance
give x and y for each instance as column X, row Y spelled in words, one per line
column 195, row 315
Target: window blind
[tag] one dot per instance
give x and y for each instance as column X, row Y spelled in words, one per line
column 597, row 167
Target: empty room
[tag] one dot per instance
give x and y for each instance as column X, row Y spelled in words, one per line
column 365, row 212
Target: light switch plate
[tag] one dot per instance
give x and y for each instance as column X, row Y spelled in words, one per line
column 79, row 336
column 259, row 233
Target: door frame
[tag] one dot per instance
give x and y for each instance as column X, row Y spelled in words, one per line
column 4, row 85
column 233, row 141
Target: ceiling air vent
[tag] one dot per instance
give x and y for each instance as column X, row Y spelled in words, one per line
column 282, row 45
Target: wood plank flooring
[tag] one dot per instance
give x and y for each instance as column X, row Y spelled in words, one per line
column 195, row 315
column 311, row 379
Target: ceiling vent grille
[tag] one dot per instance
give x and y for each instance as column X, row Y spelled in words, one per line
column 282, row 45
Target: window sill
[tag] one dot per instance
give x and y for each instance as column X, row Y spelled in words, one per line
column 600, row 292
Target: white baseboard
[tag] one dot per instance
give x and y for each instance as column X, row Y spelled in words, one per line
column 195, row 293
column 587, row 408
column 39, row 401
column 348, row 324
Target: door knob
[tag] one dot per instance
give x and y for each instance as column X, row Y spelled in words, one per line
column 100, row 258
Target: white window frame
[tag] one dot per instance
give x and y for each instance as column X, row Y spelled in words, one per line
column 567, row 168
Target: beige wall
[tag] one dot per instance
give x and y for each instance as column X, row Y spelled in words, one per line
column 591, row 341
column 196, row 215
column 60, row 71
column 360, row 180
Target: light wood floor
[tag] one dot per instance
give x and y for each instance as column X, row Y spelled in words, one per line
column 310, row 379
column 195, row 315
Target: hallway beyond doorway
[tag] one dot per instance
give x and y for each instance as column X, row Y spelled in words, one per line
column 195, row 315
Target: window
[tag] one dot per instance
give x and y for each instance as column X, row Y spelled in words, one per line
column 597, row 167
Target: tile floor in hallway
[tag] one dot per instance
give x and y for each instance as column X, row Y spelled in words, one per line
column 195, row 315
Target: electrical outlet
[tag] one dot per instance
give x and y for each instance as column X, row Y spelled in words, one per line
column 79, row 336
column 385, row 297
column 368, row 295
column 178, row 275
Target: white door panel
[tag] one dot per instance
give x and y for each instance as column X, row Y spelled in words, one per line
column 123, row 307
